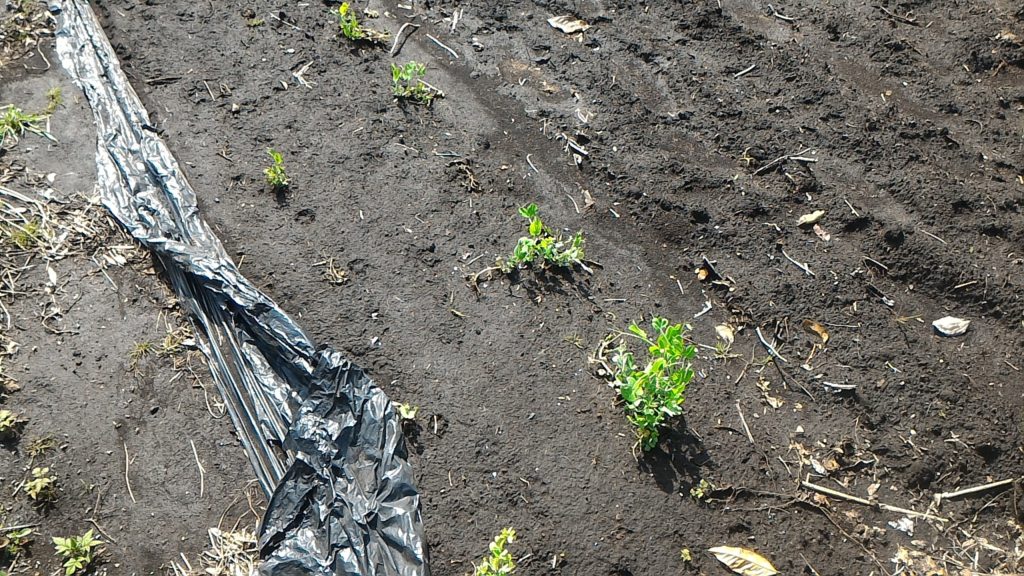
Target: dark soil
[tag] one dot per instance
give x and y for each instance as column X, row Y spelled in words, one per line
column 66, row 367
column 914, row 114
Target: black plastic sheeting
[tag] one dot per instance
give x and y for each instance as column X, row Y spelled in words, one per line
column 323, row 439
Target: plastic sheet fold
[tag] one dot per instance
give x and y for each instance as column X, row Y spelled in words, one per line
column 323, row 439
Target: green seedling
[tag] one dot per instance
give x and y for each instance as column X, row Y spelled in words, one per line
column 685, row 555
column 40, row 446
column 42, row 486
column 255, row 22
column 26, row 236
column 10, row 425
column 15, row 122
column 78, row 552
column 54, row 98
column 275, row 173
column 702, row 490
column 407, row 83
column 14, row 541
column 542, row 247
column 655, row 393
column 500, row 561
column 352, row 29
column 407, row 411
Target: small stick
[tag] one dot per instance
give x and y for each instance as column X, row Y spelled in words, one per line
column 968, row 491
column 18, row 527
column 767, row 346
column 858, row 500
column 202, row 472
column 574, row 204
column 126, row 481
column 110, row 538
column 439, row 43
column 530, row 162
column 745, row 71
column 803, row 267
column 927, row 233
column 399, row 41
column 852, row 209
column 775, row 162
column 776, row 14
column 744, row 422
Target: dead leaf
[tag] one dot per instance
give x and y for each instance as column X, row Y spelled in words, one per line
column 812, row 218
column 743, row 561
column 815, row 328
column 820, row 231
column 568, row 24
column 726, row 333
column 588, row 200
column 951, row 325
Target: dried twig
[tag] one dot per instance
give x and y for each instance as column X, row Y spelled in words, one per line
column 858, row 500
column 744, row 422
column 439, row 43
column 202, row 471
column 975, row 490
column 400, row 39
column 127, row 482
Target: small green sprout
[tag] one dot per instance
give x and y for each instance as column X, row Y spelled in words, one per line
column 685, row 555
column 500, row 561
column 14, row 122
column 275, row 173
column 54, row 98
column 42, row 486
column 26, row 236
column 78, row 552
column 255, row 22
column 407, row 411
column 407, row 83
column 354, row 31
column 10, row 425
column 702, row 490
column 655, row 393
column 13, row 542
column 39, row 446
column 542, row 247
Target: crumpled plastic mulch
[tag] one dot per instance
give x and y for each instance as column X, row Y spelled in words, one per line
column 324, row 440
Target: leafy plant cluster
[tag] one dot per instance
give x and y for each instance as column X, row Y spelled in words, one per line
column 78, row 552
column 654, row 393
column 542, row 247
column 275, row 174
column 15, row 122
column 352, row 29
column 500, row 561
column 407, row 83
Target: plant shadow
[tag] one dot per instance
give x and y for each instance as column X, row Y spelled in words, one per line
column 555, row 280
column 678, row 460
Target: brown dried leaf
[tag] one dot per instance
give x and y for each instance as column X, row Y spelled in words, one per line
column 568, row 24
column 815, row 328
column 743, row 561
column 820, row 231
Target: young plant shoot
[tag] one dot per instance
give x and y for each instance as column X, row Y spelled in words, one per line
column 407, row 83
column 542, row 247
column 352, row 29
column 275, row 173
column 499, row 562
column 78, row 552
column 654, row 393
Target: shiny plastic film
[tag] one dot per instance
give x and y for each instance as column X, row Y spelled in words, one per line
column 325, row 442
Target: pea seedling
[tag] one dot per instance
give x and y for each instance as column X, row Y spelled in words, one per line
column 655, row 393
column 42, row 486
column 542, row 247
column 407, row 83
column 275, row 173
column 78, row 552
column 500, row 561
column 352, row 29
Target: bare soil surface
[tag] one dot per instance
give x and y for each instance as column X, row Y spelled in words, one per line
column 122, row 422
column 669, row 133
